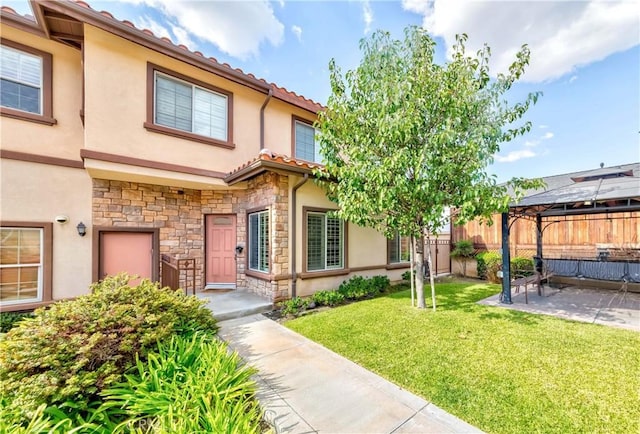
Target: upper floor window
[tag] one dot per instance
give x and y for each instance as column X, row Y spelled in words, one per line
column 188, row 108
column 25, row 83
column 25, row 255
column 259, row 241
column 305, row 142
column 325, row 242
column 399, row 249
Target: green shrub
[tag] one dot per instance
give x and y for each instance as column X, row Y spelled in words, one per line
column 357, row 287
column 406, row 276
column 522, row 266
column 380, row 282
column 294, row 305
column 489, row 263
column 462, row 251
column 328, row 298
column 8, row 320
column 72, row 350
column 189, row 385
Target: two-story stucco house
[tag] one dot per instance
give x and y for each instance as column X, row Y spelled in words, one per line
column 119, row 147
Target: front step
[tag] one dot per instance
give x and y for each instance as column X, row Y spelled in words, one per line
column 235, row 304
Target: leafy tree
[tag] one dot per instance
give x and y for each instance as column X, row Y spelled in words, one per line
column 404, row 137
column 462, row 251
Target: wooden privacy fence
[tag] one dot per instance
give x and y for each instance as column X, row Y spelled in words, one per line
column 563, row 237
column 175, row 271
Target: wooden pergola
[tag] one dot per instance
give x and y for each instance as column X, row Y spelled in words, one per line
column 607, row 191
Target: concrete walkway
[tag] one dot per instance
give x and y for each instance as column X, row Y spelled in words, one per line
column 306, row 388
column 598, row 306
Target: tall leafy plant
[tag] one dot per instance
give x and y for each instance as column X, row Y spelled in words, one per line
column 462, row 252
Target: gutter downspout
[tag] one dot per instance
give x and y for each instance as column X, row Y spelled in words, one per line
column 294, row 274
column 264, row 105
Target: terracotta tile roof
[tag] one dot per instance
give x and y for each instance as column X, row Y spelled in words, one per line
column 278, row 92
column 267, row 160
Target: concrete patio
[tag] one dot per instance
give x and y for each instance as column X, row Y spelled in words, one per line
column 614, row 308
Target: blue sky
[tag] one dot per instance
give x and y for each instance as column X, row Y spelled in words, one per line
column 585, row 58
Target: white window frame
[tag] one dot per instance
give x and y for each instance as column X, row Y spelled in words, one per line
column 40, row 86
column 324, row 242
column 40, row 289
column 317, row 158
column 193, row 102
column 258, row 244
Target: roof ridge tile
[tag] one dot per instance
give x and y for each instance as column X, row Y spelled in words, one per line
column 285, row 94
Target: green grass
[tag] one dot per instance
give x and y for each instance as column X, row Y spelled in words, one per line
column 501, row 370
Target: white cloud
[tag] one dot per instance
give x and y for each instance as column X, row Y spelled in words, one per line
column 515, row 156
column 547, row 136
column 236, row 28
column 281, row 2
column 182, row 37
column 543, row 126
column 158, row 29
column 297, row 30
column 562, row 35
column 573, row 78
column 367, row 16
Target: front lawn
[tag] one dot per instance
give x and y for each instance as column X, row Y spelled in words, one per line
column 501, row 370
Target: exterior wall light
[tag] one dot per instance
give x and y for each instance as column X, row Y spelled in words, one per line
column 82, row 229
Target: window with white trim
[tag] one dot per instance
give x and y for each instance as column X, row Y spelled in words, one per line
column 325, row 242
column 187, row 107
column 259, row 241
column 21, row 265
column 399, row 249
column 21, row 80
column 306, row 144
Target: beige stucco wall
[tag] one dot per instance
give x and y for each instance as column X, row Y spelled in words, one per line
column 278, row 125
column 64, row 139
column 31, row 192
column 116, row 95
column 366, row 247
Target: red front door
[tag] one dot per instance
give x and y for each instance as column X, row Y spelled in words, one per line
column 221, row 244
column 131, row 252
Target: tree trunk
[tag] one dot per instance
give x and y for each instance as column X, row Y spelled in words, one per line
column 418, row 264
column 431, row 278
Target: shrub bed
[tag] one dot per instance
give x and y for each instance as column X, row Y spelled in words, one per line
column 356, row 288
column 8, row 320
column 66, row 354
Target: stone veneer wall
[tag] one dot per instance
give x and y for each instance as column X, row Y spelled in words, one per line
column 179, row 215
column 271, row 190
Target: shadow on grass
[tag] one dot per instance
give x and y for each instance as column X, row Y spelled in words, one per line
column 515, row 316
column 464, row 297
column 458, row 296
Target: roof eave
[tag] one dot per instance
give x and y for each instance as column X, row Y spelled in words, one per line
column 260, row 166
column 112, row 25
column 19, row 22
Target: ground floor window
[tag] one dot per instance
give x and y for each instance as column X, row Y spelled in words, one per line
column 25, row 254
column 259, row 241
column 325, row 242
column 399, row 249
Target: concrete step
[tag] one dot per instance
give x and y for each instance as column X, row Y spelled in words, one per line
column 236, row 303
